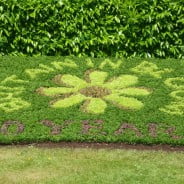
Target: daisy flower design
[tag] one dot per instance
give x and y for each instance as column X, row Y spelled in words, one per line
column 94, row 92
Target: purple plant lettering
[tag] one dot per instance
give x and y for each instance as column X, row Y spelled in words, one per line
column 55, row 129
column 7, row 124
column 125, row 126
column 170, row 131
column 87, row 126
column 152, row 128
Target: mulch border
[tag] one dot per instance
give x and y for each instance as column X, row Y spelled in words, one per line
column 140, row 147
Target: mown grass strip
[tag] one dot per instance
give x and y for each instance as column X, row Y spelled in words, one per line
column 69, row 166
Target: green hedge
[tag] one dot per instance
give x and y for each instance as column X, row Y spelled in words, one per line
column 100, row 28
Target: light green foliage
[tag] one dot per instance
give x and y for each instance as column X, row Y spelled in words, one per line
column 172, row 83
column 133, row 91
column 179, row 94
column 150, row 69
column 9, row 101
column 67, row 63
column 73, row 81
column 176, row 107
column 33, row 73
column 95, row 106
column 5, row 90
column 12, row 104
column 97, row 77
column 70, row 101
column 55, row 65
column 14, row 79
column 89, row 63
column 122, row 81
column 124, row 102
column 111, row 64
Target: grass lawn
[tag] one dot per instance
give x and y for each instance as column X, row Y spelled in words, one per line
column 91, row 100
column 88, row 166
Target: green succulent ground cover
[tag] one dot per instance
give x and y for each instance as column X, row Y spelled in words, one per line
column 91, row 100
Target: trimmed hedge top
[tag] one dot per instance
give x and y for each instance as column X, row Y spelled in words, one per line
column 147, row 28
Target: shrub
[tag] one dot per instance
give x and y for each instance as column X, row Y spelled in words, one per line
column 100, row 28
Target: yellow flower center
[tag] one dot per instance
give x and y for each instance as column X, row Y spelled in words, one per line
column 95, row 91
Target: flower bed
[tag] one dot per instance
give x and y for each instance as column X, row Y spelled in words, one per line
column 91, row 100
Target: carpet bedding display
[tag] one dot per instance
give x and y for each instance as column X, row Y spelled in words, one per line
column 84, row 99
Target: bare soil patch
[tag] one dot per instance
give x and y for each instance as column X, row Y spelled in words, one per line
column 141, row 147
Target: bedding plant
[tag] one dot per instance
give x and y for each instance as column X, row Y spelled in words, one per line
column 91, row 100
